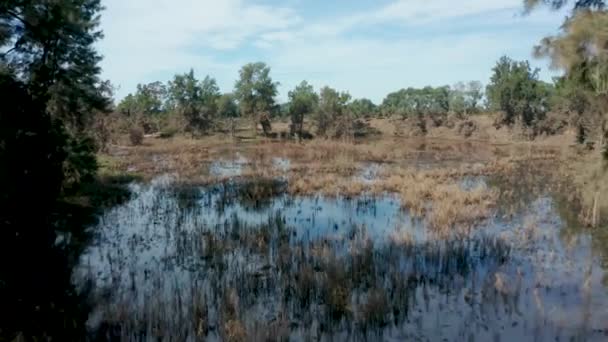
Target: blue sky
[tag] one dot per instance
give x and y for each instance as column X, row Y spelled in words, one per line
column 368, row 48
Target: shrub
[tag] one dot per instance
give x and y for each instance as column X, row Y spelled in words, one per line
column 168, row 132
column 136, row 136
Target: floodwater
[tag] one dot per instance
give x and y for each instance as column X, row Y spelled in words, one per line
column 243, row 260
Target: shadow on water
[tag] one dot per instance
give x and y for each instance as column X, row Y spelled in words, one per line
column 40, row 247
column 245, row 261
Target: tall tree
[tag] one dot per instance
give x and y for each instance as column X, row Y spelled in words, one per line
column 149, row 99
column 331, row 109
column 362, row 108
column 196, row 101
column 581, row 51
column 50, row 46
column 255, row 91
column 50, row 91
column 409, row 102
column 465, row 97
column 227, row 106
column 302, row 101
column 515, row 90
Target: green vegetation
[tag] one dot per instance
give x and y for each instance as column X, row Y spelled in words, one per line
column 515, row 96
column 67, row 152
column 515, row 90
column 332, row 110
column 303, row 101
column 580, row 51
column 256, row 91
column 412, row 102
column 195, row 101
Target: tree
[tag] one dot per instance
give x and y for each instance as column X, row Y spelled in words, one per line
column 227, row 106
column 426, row 102
column 331, row 109
column 49, row 46
column 255, row 91
column 196, row 101
column 515, row 90
column 581, row 51
column 50, row 92
column 302, row 101
column 149, row 99
column 144, row 107
column 210, row 93
column 474, row 95
column 465, row 97
column 363, row 108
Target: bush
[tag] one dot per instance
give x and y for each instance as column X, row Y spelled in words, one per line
column 136, row 136
column 168, row 132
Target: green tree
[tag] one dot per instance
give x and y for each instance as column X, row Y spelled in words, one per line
column 255, row 91
column 196, row 101
column 227, row 106
column 410, row 102
column 515, row 90
column 331, row 110
column 363, row 108
column 581, row 51
column 149, row 99
column 50, row 46
column 302, row 101
column 50, row 92
column 465, row 97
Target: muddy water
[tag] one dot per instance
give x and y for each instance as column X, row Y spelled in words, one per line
column 242, row 260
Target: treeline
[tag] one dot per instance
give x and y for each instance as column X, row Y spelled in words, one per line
column 187, row 104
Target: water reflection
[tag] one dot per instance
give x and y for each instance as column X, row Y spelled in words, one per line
column 245, row 261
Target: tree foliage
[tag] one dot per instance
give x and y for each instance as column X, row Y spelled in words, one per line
column 465, row 98
column 515, row 90
column 227, row 106
column 255, row 91
column 581, row 51
column 149, row 99
column 332, row 109
column 418, row 102
column 49, row 47
column 196, row 101
column 302, row 101
column 51, row 91
column 362, row 108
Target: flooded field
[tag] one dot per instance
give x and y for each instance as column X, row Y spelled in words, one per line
column 250, row 256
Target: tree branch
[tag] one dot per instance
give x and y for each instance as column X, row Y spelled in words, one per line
column 16, row 16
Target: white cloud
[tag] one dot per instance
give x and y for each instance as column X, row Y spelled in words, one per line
column 416, row 11
column 147, row 38
column 403, row 43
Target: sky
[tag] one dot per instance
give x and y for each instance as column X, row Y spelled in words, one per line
column 366, row 47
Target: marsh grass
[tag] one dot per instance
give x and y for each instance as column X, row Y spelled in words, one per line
column 277, row 280
column 425, row 174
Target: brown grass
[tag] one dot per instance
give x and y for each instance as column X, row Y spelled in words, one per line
column 423, row 173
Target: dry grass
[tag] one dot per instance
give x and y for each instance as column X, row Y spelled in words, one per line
column 590, row 180
column 423, row 173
